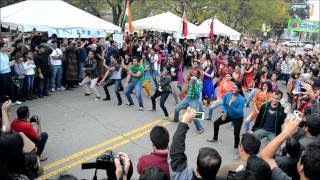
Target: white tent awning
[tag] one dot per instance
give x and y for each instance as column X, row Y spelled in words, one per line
column 219, row 29
column 52, row 15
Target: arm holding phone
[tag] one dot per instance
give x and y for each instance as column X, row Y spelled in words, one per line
column 5, row 110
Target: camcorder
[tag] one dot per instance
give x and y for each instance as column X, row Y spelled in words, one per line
column 106, row 162
column 34, row 119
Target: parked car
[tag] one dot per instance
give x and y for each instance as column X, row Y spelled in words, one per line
column 290, row 44
column 301, row 44
column 308, row 47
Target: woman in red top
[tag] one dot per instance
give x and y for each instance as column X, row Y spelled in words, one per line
column 248, row 76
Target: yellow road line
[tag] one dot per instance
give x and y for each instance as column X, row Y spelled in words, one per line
column 95, row 155
column 100, row 145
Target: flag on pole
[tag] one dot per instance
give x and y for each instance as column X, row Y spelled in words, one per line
column 127, row 18
column 184, row 25
column 212, row 30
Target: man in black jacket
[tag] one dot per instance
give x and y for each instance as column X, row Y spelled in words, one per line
column 208, row 161
column 270, row 118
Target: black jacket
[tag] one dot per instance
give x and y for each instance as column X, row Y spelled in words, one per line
column 280, row 117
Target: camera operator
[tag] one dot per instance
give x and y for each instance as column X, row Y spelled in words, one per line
column 22, row 124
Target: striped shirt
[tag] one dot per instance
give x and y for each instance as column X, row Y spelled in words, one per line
column 286, row 68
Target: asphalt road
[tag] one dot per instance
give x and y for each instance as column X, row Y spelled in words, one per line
column 80, row 129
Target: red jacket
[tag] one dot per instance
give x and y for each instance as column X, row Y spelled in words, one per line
column 154, row 160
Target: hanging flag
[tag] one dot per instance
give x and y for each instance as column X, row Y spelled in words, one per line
column 184, row 25
column 127, row 18
column 211, row 34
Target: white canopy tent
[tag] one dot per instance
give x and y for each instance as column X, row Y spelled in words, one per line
column 165, row 22
column 219, row 29
column 56, row 17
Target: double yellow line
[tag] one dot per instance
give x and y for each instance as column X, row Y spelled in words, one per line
column 104, row 145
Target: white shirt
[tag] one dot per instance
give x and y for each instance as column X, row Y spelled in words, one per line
column 56, row 52
column 155, row 61
column 29, row 68
column 4, row 63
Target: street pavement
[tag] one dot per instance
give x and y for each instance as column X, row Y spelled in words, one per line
column 80, row 129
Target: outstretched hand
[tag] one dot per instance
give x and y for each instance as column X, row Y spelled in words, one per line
column 189, row 115
column 6, row 106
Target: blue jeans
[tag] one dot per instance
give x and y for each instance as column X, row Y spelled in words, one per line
column 214, row 106
column 251, row 95
column 20, row 88
column 186, row 102
column 137, row 86
column 43, row 86
column 41, row 144
column 247, row 122
column 80, row 67
column 29, row 80
column 262, row 133
column 56, row 76
column 153, row 74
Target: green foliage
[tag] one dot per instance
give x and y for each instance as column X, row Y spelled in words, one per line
column 243, row 15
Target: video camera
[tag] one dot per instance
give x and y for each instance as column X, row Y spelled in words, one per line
column 106, row 162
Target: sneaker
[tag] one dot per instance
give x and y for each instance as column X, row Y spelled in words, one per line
column 80, row 84
column 200, row 131
column 61, row 89
column 152, row 109
column 140, row 108
column 18, row 102
column 53, row 90
column 97, row 98
column 166, row 118
column 130, row 104
column 212, row 140
column 106, row 99
column 86, row 94
column 236, row 155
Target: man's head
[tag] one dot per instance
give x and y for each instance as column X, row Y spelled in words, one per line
column 264, row 69
column 309, row 163
column 153, row 173
column 276, row 97
column 208, row 162
column 159, row 137
column 23, row 112
column 135, row 61
column 54, row 44
column 19, row 43
column 259, row 167
column 249, row 145
column 312, row 125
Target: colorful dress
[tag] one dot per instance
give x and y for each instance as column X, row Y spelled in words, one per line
column 258, row 100
column 248, row 78
column 208, row 91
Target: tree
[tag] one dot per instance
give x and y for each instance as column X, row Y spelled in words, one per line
column 4, row 3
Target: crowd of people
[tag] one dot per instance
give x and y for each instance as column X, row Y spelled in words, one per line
column 221, row 73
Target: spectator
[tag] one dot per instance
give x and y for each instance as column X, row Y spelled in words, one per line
column 56, row 57
column 43, row 68
column 260, row 168
column 12, row 158
column 270, row 118
column 208, row 160
column 22, row 124
column 308, row 165
column 311, row 130
column 20, row 71
column 159, row 137
column 5, row 74
column 249, row 145
column 29, row 66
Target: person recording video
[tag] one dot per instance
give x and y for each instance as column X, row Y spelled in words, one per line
column 25, row 125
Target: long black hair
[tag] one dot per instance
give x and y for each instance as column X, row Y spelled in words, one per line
column 11, row 155
column 239, row 86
